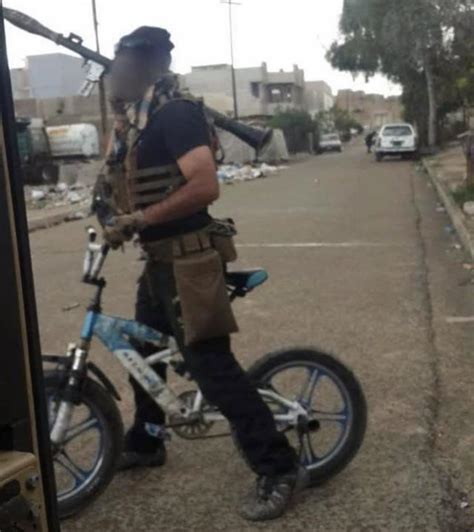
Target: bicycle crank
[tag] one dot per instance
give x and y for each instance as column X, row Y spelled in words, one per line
column 196, row 427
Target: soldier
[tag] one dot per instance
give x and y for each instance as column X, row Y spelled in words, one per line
column 162, row 172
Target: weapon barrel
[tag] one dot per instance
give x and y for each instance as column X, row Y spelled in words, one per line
column 73, row 42
column 254, row 137
column 29, row 24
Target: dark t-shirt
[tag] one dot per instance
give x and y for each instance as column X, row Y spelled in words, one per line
column 174, row 131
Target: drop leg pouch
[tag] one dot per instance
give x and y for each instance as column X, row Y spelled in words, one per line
column 205, row 304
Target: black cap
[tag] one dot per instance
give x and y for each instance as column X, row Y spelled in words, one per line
column 147, row 38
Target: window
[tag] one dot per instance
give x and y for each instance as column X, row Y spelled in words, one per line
column 255, row 89
column 330, row 137
column 280, row 94
column 397, row 131
column 275, row 96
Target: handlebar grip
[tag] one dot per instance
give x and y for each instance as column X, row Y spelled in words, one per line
column 91, row 233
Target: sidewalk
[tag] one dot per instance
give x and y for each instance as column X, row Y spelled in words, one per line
column 447, row 171
column 44, row 218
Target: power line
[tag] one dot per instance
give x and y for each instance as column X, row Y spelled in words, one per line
column 102, row 99
column 230, row 3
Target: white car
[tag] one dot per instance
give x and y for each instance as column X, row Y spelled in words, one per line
column 396, row 139
column 330, row 142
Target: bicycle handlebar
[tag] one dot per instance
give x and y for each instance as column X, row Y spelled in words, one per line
column 95, row 256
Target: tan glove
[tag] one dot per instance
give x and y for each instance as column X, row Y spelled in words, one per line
column 121, row 229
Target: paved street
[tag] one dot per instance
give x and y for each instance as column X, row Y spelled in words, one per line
column 360, row 265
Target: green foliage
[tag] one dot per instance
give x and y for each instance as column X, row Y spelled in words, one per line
column 344, row 121
column 293, row 119
column 295, row 125
column 463, row 194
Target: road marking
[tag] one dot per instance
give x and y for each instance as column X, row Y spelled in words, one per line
column 460, row 319
column 313, row 245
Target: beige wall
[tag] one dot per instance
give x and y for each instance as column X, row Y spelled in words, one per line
column 371, row 110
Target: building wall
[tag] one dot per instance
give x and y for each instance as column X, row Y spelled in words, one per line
column 251, row 97
column 20, row 83
column 318, row 97
column 209, row 81
column 253, row 86
column 371, row 110
column 54, row 75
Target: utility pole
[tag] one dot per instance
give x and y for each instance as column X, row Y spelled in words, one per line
column 102, row 99
column 230, row 3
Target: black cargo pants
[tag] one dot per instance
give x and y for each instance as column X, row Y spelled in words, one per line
column 220, row 377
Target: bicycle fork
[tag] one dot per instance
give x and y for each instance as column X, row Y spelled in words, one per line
column 75, row 376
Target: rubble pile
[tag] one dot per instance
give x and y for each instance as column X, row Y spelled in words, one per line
column 231, row 173
column 60, row 195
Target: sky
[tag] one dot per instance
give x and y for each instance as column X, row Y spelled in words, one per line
column 280, row 32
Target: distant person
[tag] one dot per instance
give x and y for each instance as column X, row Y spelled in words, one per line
column 369, row 141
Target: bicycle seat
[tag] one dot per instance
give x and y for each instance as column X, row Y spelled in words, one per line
column 246, row 280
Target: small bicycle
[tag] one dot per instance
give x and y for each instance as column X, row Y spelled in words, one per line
column 315, row 399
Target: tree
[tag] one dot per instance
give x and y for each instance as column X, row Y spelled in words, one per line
column 344, row 121
column 296, row 126
column 408, row 41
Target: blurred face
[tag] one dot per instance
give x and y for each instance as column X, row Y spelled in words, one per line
column 131, row 74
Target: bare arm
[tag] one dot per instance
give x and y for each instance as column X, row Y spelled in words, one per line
column 200, row 190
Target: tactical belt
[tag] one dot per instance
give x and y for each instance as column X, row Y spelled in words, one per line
column 178, row 246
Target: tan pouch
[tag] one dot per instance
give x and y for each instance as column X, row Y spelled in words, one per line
column 222, row 234
column 205, row 303
column 225, row 246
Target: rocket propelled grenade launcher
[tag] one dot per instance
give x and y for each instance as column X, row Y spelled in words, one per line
column 96, row 63
column 97, row 66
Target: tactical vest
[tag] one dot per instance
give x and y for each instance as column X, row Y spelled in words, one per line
column 132, row 188
column 148, row 185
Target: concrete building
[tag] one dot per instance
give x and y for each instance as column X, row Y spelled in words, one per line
column 20, row 83
column 318, row 97
column 371, row 110
column 48, row 76
column 259, row 92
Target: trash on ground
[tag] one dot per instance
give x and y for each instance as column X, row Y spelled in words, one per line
column 60, row 195
column 449, row 229
column 77, row 186
column 468, row 266
column 61, row 187
column 230, row 173
column 468, row 208
column 78, row 215
column 73, row 197
column 38, row 195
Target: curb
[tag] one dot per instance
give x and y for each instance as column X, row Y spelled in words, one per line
column 53, row 219
column 454, row 212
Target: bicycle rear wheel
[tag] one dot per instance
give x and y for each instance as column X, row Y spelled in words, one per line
column 85, row 462
column 333, row 428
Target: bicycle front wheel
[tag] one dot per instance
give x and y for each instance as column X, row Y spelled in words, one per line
column 86, row 460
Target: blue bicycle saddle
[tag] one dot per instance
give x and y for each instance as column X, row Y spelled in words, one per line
column 246, row 280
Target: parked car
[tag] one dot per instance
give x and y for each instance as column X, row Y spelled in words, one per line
column 330, row 142
column 396, row 139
